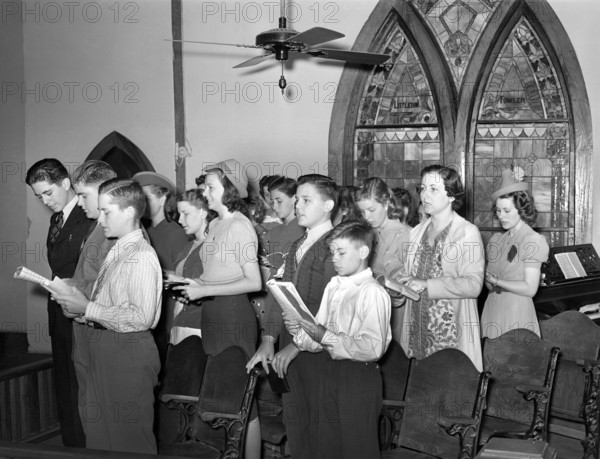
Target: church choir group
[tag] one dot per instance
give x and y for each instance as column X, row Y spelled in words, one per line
column 213, row 248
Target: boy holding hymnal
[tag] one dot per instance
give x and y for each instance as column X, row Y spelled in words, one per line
column 352, row 329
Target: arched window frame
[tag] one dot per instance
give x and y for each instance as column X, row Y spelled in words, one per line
column 458, row 114
column 353, row 80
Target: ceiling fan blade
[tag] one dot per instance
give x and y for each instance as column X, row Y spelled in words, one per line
column 254, row 61
column 352, row 57
column 315, row 36
column 213, row 43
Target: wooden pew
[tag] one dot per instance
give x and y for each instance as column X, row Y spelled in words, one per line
column 225, row 400
column 523, row 372
column 576, row 389
column 441, row 412
column 34, row 451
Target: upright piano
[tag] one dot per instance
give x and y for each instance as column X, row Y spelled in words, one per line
column 567, row 285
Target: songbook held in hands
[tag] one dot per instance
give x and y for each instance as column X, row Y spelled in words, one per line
column 289, row 300
column 395, row 288
column 57, row 285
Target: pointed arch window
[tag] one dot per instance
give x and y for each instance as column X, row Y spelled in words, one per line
column 396, row 132
column 479, row 85
column 522, row 122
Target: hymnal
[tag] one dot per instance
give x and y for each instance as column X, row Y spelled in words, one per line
column 57, row 285
column 570, row 265
column 289, row 300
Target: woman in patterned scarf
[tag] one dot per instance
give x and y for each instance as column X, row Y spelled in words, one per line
column 445, row 263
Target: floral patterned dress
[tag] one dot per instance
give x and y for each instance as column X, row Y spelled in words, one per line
column 434, row 325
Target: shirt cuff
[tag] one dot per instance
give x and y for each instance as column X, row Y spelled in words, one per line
column 91, row 311
column 330, row 339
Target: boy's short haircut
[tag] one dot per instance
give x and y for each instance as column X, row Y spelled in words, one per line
column 49, row 170
column 93, row 172
column 125, row 193
column 325, row 185
column 358, row 231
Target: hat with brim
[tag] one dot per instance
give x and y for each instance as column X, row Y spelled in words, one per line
column 154, row 178
column 233, row 170
column 509, row 185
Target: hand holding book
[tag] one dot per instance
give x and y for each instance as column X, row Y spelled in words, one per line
column 55, row 286
column 289, row 300
column 399, row 287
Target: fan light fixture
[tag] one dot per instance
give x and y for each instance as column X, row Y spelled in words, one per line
column 280, row 42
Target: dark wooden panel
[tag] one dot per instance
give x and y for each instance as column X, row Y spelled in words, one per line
column 578, row 338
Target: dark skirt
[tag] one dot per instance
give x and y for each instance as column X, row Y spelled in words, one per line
column 229, row 321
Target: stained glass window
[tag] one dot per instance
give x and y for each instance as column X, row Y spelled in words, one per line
column 523, row 84
column 457, row 25
column 396, row 130
column 522, row 123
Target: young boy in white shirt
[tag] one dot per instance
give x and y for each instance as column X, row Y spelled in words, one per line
column 353, row 327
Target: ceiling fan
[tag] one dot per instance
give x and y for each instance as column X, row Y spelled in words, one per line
column 280, row 42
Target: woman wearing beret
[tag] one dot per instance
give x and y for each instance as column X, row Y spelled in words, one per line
column 514, row 260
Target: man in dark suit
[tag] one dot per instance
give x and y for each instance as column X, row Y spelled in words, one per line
column 50, row 182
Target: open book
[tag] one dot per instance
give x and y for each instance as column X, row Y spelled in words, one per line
column 570, row 265
column 53, row 286
column 289, row 299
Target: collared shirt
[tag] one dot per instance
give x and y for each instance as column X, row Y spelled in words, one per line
column 312, row 236
column 129, row 299
column 69, row 208
column 356, row 311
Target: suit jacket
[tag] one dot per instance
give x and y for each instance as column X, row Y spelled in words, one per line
column 62, row 258
column 310, row 277
column 92, row 256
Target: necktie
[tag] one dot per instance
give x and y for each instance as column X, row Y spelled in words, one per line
column 298, row 255
column 56, row 226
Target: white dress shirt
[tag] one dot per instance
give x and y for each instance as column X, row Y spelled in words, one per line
column 312, row 236
column 69, row 208
column 129, row 298
column 355, row 310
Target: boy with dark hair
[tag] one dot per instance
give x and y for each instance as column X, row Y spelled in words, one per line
column 123, row 308
column 309, row 267
column 353, row 330
column 50, row 182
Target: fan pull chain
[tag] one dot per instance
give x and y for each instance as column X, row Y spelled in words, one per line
column 282, row 82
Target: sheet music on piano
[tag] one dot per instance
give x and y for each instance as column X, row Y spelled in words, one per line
column 570, row 265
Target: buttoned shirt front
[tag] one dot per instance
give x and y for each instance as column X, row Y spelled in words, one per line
column 356, row 311
column 69, row 208
column 129, row 297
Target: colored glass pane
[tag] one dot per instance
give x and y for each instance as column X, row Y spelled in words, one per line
column 523, row 84
column 457, row 26
column 398, row 93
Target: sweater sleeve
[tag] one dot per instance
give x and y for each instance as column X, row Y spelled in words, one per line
column 463, row 262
